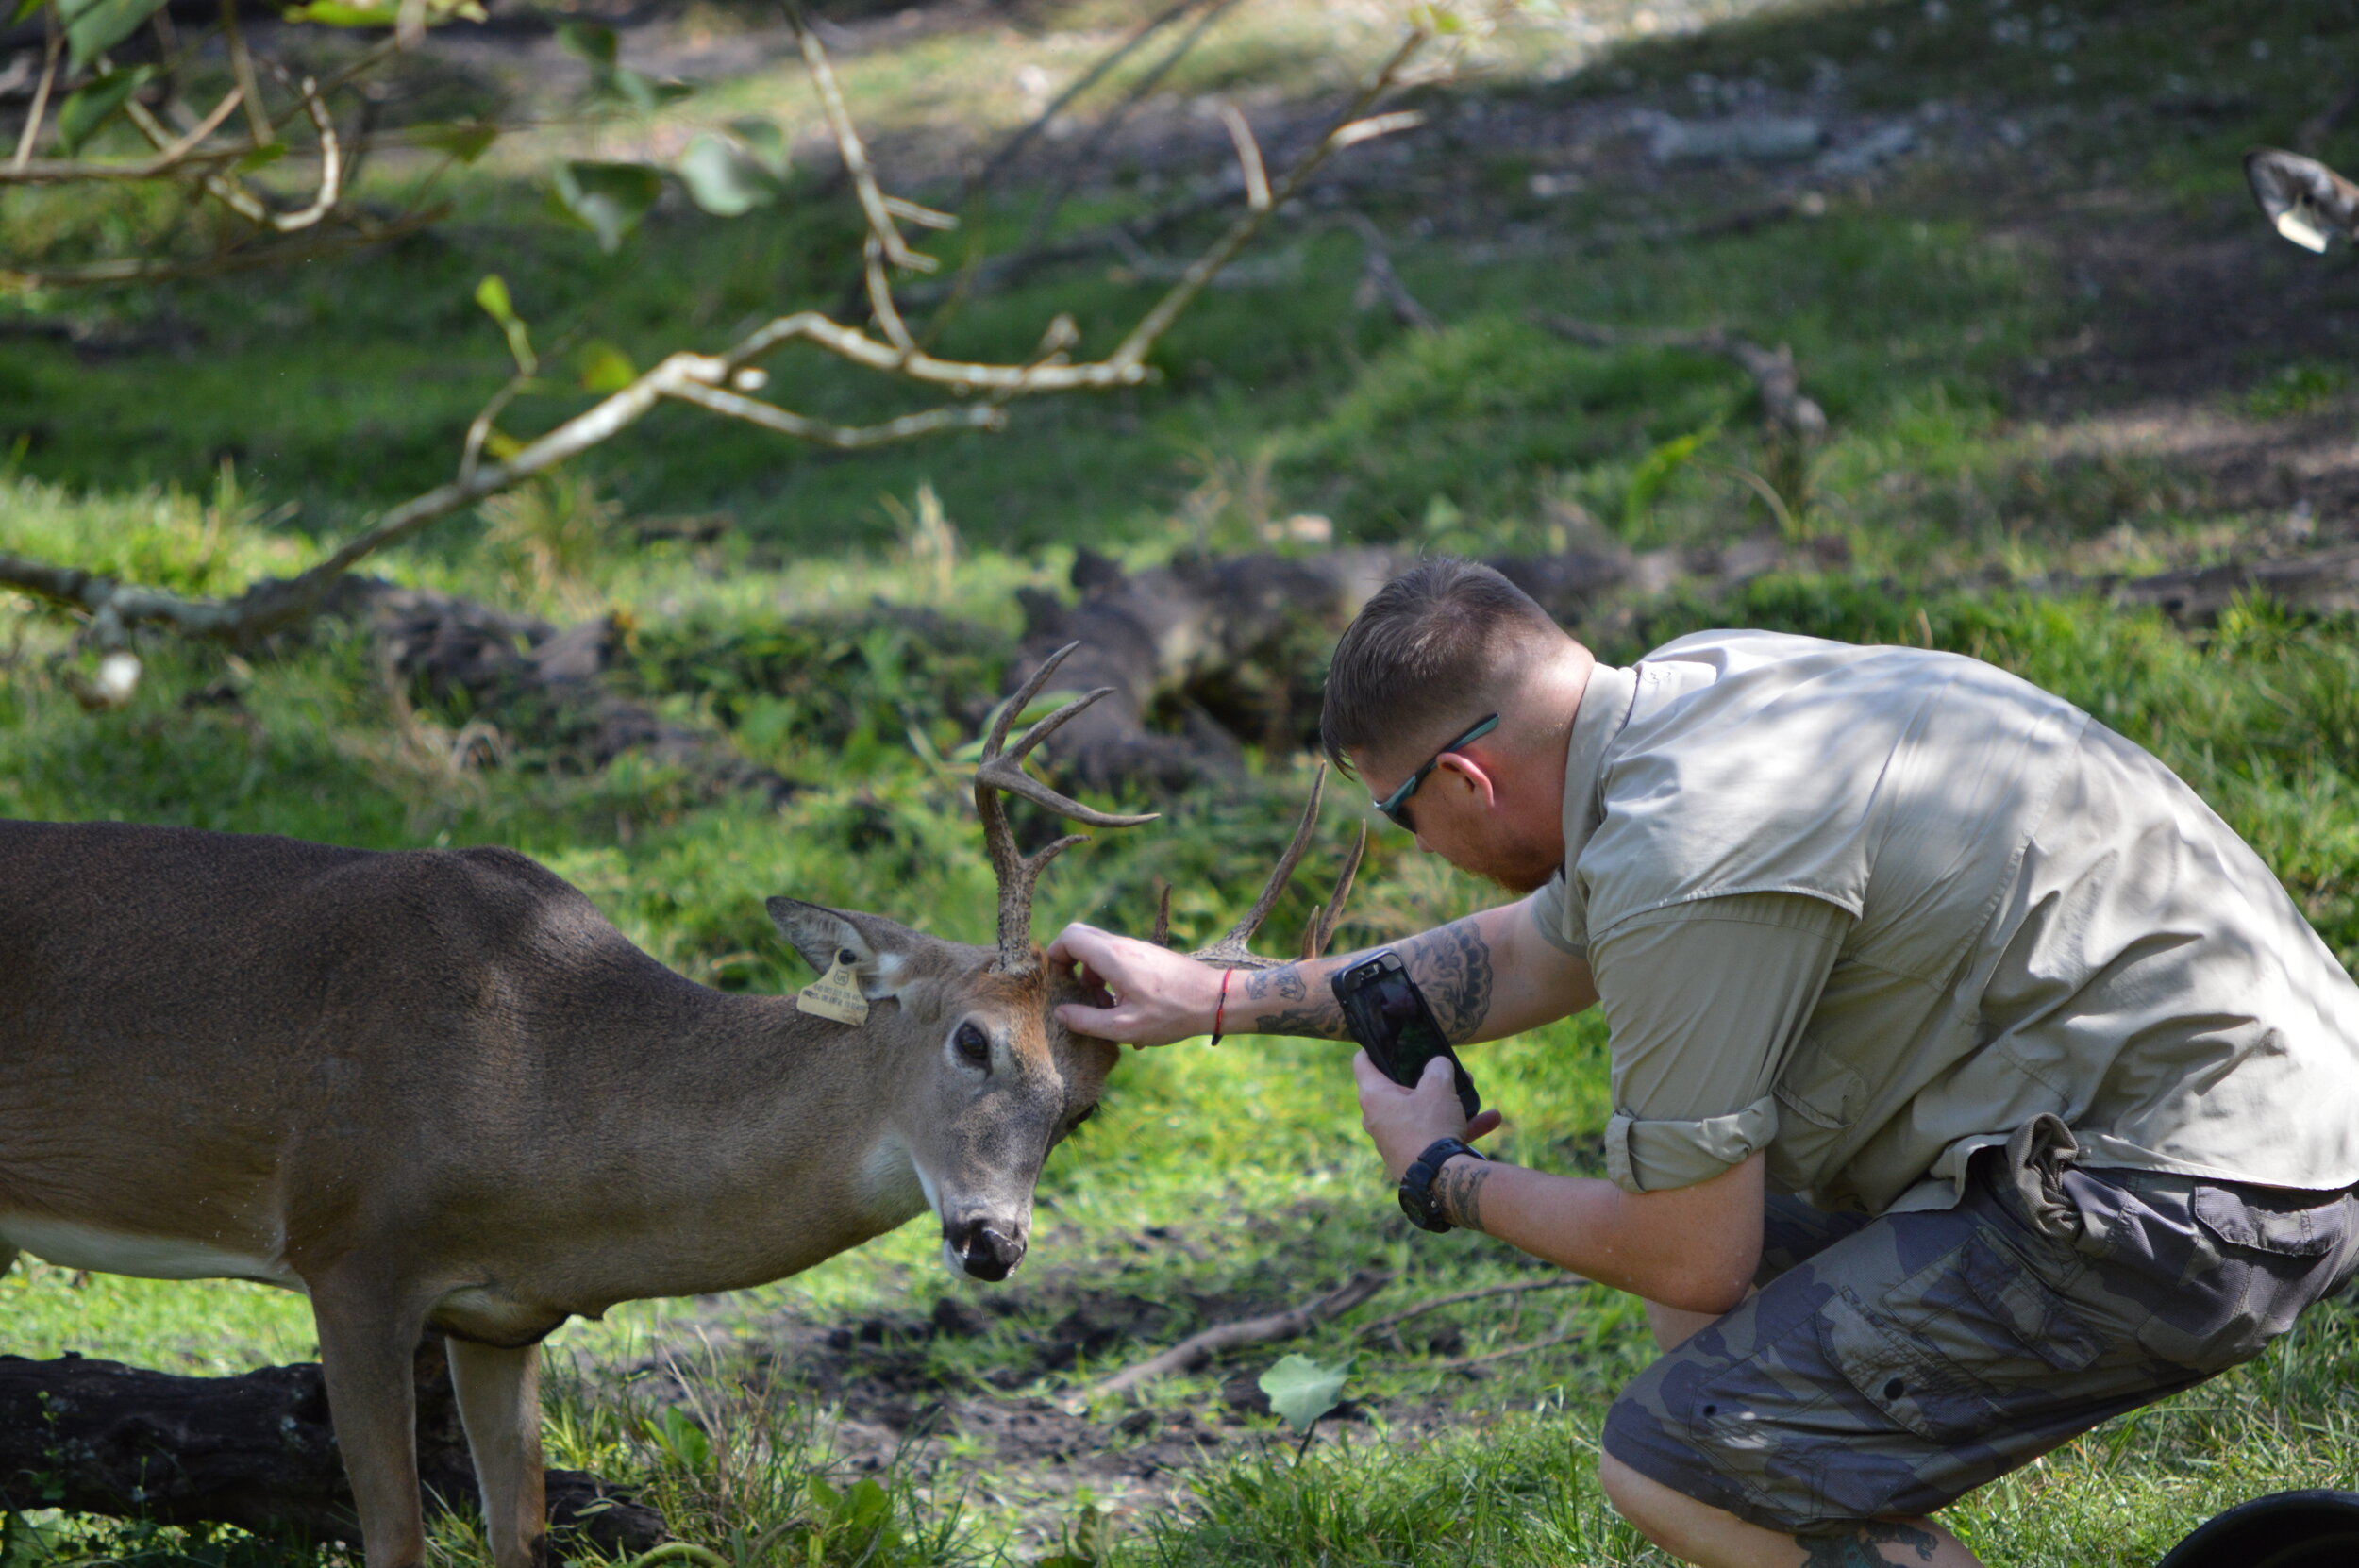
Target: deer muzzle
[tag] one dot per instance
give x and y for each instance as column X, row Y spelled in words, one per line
column 985, row 1247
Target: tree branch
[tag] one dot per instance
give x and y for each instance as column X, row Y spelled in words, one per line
column 1783, row 408
column 1196, row 1349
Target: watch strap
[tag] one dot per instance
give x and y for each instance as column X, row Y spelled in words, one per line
column 1416, row 1183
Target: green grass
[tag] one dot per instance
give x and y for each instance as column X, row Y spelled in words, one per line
column 1215, row 1183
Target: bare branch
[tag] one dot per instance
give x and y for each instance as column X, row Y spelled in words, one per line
column 183, row 153
column 711, row 382
column 154, row 270
column 880, row 296
column 50, row 53
column 479, row 427
column 1196, row 1349
column 241, row 68
column 854, row 153
column 331, row 165
column 1249, row 157
column 1158, row 321
column 843, row 438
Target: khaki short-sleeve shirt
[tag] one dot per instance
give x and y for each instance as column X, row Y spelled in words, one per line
column 1873, row 909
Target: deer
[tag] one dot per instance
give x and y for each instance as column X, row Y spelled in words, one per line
column 437, row 1090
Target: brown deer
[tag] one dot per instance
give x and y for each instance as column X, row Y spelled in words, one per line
column 438, row 1089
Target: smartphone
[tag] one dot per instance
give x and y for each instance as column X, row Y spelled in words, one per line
column 1387, row 1015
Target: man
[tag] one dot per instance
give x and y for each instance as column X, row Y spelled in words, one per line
column 1973, row 1082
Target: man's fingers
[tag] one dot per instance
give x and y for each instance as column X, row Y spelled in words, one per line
column 1118, row 1024
column 1484, row 1124
column 1364, row 1073
column 1437, row 1070
column 1078, row 943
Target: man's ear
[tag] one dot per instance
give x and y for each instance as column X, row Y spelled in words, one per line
column 881, row 951
column 1474, row 775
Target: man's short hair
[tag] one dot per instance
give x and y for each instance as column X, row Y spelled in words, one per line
column 1432, row 647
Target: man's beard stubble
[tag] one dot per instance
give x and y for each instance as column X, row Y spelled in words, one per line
column 1519, row 867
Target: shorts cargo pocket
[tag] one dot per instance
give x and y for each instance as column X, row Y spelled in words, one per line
column 2307, row 1229
column 1915, row 1388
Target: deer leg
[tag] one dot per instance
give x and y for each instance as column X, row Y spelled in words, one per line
column 499, row 1403
column 368, row 1335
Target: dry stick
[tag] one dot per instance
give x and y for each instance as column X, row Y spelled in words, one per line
column 848, row 144
column 183, row 153
column 1457, row 1361
column 241, row 67
column 1196, row 1349
column 277, row 603
column 1095, row 73
column 41, row 94
column 1485, row 1293
column 1248, row 157
column 1783, row 407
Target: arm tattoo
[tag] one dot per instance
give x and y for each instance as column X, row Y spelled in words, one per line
column 1320, row 1017
column 1285, row 980
column 1857, row 1548
column 1453, row 966
column 1460, row 1187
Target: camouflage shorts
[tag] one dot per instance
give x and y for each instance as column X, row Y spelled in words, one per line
column 1886, row 1367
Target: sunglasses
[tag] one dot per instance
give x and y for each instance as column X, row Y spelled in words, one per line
column 1395, row 806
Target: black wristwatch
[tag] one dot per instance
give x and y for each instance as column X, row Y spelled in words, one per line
column 1416, row 1183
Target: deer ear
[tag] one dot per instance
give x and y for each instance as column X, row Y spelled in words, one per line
column 880, row 949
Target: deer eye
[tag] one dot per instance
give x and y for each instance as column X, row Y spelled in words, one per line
column 974, row 1046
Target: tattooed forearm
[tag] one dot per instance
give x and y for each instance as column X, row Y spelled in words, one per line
column 1453, row 966
column 1858, row 1548
column 1285, row 981
column 1459, row 1186
column 1320, row 1020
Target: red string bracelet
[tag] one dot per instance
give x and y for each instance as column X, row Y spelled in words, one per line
column 1219, row 1010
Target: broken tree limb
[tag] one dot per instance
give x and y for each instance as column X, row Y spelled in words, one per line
column 256, row 1450
column 1385, row 1325
column 2323, row 582
column 1196, row 1349
column 1783, row 408
column 716, row 383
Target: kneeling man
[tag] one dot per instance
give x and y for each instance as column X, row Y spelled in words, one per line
column 1973, row 1082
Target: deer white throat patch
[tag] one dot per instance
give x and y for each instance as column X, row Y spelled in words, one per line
column 893, row 1187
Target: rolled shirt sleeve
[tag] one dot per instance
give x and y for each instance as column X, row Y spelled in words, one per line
column 1559, row 922
column 1703, row 1002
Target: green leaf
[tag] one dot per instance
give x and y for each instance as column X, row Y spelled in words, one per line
column 492, row 293
column 25, row 9
column 93, row 104
column 607, row 199
column 603, row 367
column 723, row 180
column 766, row 141
column 685, row 1440
column 379, row 13
column 1654, row 472
column 588, row 41
column 95, row 26
column 262, row 156
column 465, row 141
column 1301, row 1390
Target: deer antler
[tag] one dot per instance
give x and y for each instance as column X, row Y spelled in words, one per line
column 1001, row 771
column 1230, row 951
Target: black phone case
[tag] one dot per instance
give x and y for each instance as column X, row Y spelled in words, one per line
column 1388, row 1016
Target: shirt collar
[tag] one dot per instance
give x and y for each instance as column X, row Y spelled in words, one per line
column 1605, row 706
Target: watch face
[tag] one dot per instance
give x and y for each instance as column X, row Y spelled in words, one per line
column 1416, row 1198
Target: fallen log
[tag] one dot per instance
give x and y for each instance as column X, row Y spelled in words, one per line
column 256, row 1451
column 2322, row 581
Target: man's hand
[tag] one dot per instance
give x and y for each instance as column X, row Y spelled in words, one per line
column 1404, row 1123
column 1157, row 995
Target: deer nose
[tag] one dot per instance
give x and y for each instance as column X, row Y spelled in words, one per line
column 985, row 1250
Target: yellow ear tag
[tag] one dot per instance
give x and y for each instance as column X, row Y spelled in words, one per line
column 836, row 994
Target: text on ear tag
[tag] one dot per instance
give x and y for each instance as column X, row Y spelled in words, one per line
column 836, row 994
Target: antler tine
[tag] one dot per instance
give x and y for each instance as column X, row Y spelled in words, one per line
column 1230, row 951
column 1162, row 914
column 1016, row 705
column 1321, row 930
column 1001, row 771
